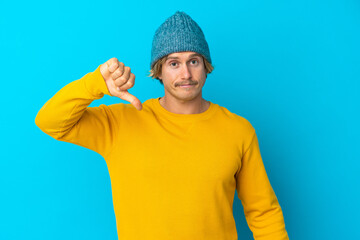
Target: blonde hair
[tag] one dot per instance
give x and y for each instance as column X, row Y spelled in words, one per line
column 156, row 69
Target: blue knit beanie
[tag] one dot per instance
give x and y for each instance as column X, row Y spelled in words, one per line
column 177, row 34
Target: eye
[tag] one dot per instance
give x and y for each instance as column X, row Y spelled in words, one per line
column 172, row 64
column 196, row 61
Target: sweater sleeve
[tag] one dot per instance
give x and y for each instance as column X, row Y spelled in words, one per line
column 261, row 207
column 67, row 117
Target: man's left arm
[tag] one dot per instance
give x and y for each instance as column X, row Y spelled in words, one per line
column 261, row 207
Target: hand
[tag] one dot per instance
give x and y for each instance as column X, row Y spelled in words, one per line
column 119, row 79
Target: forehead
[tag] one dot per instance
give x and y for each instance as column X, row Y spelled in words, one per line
column 185, row 55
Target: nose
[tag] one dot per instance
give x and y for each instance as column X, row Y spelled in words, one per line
column 186, row 74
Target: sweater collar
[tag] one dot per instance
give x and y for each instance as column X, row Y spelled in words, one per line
column 160, row 110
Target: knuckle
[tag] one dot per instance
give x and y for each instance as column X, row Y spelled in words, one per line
column 114, row 76
column 113, row 61
column 131, row 84
column 132, row 80
column 127, row 85
column 120, row 81
column 117, row 72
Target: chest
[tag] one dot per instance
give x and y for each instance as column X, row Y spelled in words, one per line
column 185, row 155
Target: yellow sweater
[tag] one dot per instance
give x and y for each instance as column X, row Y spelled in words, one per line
column 173, row 176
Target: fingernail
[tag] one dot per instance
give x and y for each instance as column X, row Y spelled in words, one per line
column 118, row 88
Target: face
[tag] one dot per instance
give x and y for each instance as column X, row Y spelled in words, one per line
column 183, row 75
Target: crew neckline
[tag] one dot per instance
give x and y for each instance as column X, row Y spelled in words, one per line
column 182, row 117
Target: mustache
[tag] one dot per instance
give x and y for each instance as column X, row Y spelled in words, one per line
column 189, row 82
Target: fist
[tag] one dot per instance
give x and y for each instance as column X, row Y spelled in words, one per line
column 119, row 79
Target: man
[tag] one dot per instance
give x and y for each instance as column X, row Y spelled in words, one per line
column 174, row 161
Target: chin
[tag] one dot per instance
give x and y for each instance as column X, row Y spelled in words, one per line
column 187, row 97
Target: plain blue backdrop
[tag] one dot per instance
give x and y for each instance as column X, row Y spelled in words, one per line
column 292, row 68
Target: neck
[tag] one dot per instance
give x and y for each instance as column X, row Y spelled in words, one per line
column 193, row 106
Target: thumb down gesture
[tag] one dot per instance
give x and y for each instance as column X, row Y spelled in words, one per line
column 119, row 79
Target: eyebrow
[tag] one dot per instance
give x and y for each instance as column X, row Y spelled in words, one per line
column 192, row 55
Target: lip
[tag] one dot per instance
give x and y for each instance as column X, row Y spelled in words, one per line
column 186, row 86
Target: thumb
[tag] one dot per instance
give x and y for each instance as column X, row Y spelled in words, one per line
column 125, row 95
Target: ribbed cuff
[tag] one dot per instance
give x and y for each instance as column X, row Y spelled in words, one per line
column 96, row 85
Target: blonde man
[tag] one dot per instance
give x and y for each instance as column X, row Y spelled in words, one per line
column 174, row 161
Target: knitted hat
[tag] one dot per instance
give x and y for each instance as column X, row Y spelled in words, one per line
column 177, row 34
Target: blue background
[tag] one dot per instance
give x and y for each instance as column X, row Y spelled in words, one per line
column 292, row 68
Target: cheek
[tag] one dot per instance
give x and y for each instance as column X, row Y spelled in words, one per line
column 169, row 76
column 203, row 77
